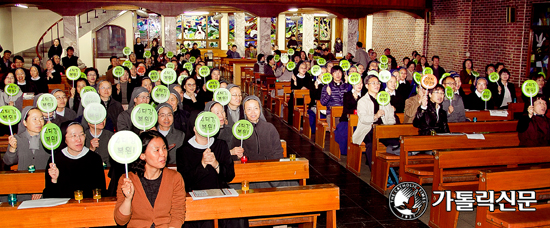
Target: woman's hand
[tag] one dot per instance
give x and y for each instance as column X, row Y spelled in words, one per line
column 239, row 151
column 192, row 96
column 54, row 172
column 11, row 103
column 13, row 143
column 128, row 189
column 294, row 80
column 208, row 158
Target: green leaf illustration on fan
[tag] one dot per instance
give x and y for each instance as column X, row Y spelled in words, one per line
column 222, row 96
column 312, row 51
column 530, row 88
column 486, row 95
column 11, row 89
column 291, row 51
column 207, row 124
column 417, row 77
column 192, row 59
column 127, row 64
column 383, row 98
column 326, row 78
column 169, row 54
column 188, row 66
column 321, row 61
column 161, row 50
column 124, row 147
column 154, row 75
column 87, row 89
column 127, row 51
column 354, row 78
column 144, row 116
column 316, row 70
column 212, row 85
column 170, row 65
column 345, row 65
column 95, row 113
column 168, row 76
column 118, row 71
column 160, row 94
column 204, row 71
column 449, row 93
column 494, row 77
column 383, row 66
column 290, row 66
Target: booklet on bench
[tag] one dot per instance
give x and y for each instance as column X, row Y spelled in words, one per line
column 213, row 193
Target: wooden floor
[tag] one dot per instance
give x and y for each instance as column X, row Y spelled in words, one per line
column 360, row 204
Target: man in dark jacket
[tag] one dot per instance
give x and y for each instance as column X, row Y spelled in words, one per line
column 70, row 59
column 430, row 116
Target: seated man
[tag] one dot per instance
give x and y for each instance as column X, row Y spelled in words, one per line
column 412, row 104
column 473, row 100
column 455, row 111
column 233, row 53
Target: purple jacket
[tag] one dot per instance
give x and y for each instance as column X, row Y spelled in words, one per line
column 337, row 94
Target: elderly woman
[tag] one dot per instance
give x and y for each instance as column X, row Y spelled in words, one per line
column 151, row 196
column 473, row 100
column 165, row 126
column 430, row 117
column 534, row 128
column 180, row 115
column 265, row 143
column 370, row 112
column 205, row 163
column 40, row 82
column 124, row 121
column 234, row 110
column 5, row 99
column 51, row 74
column 25, row 85
column 25, row 148
column 225, row 132
column 75, row 167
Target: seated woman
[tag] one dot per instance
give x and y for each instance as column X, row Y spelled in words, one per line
column 350, row 105
column 145, row 82
column 205, row 163
column 430, row 117
column 5, row 99
column 74, row 100
column 455, row 108
column 505, row 91
column 190, row 100
column 370, row 112
column 51, row 74
column 204, row 94
column 25, row 148
column 180, row 115
column 40, row 82
column 75, row 167
column 124, row 121
column 165, row 126
column 534, row 128
column 25, row 85
column 473, row 100
column 123, row 89
column 300, row 80
column 92, row 75
column 265, row 143
column 151, row 196
column 333, row 92
column 61, row 110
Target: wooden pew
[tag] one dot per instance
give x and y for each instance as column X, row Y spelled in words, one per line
column 334, row 149
column 419, row 168
column 269, row 81
column 281, row 101
column 23, row 182
column 321, row 126
column 271, row 100
column 284, row 200
column 306, row 128
column 249, row 75
column 524, row 179
column 299, row 110
column 486, row 116
column 466, row 164
column 382, row 161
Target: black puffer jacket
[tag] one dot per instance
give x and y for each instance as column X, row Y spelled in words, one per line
column 426, row 120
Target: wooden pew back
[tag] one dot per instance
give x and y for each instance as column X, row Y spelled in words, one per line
column 334, row 149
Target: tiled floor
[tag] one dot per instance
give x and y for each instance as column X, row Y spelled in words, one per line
column 360, row 204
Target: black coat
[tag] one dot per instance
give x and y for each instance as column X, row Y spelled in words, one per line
column 499, row 97
column 426, row 120
column 55, row 51
column 139, row 49
column 349, row 107
column 473, row 102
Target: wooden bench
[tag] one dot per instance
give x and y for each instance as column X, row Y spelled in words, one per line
column 466, row 165
column 382, row 161
column 267, row 84
column 272, row 95
column 282, row 101
column 321, row 127
column 419, row 168
column 484, row 115
column 23, row 182
column 299, row 110
column 524, row 179
column 282, row 201
column 52, row 87
column 334, row 149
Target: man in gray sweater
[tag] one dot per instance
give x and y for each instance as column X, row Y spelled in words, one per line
column 455, row 111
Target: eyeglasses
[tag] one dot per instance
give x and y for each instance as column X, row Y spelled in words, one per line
column 75, row 136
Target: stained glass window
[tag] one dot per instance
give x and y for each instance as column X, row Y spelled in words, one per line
column 273, row 30
column 294, row 25
column 322, row 30
column 203, row 30
column 149, row 28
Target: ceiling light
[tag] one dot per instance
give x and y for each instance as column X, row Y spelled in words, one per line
column 21, row 6
column 293, row 9
column 320, row 15
column 195, row 13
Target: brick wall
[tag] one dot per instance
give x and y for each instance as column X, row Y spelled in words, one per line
column 399, row 31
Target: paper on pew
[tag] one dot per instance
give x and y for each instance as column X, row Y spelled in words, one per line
column 52, row 202
column 502, row 113
column 324, row 112
column 475, row 136
column 213, row 193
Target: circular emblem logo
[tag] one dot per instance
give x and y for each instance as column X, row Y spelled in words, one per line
column 408, row 201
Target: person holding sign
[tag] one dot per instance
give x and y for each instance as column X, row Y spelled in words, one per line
column 25, row 149
column 350, row 105
column 75, row 167
column 61, row 110
column 265, row 143
column 333, row 92
column 146, row 82
column 75, row 99
column 190, row 100
column 165, row 126
column 534, row 128
column 300, row 80
column 123, row 88
column 180, row 115
column 282, row 73
column 205, row 94
column 49, row 116
column 544, row 89
column 124, row 122
column 430, row 117
column 473, row 100
column 455, row 106
column 505, row 91
column 12, row 95
column 152, row 194
column 371, row 112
